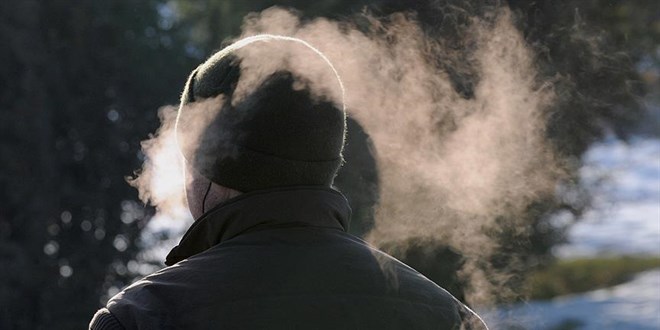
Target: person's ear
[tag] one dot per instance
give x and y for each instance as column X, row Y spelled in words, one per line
column 197, row 186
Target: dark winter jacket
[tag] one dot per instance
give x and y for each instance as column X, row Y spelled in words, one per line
column 280, row 259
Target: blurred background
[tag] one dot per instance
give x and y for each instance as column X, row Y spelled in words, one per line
column 82, row 81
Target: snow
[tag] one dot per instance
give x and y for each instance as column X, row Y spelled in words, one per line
column 634, row 305
column 624, row 218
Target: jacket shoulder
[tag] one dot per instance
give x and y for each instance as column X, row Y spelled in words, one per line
column 144, row 304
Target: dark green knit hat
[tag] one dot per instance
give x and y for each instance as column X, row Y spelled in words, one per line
column 274, row 136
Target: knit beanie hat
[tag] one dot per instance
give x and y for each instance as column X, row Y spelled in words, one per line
column 278, row 134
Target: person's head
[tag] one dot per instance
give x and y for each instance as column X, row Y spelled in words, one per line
column 278, row 134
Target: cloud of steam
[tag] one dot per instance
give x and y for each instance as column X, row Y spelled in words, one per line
column 435, row 182
column 161, row 180
column 448, row 185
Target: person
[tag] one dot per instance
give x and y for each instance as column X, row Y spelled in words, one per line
column 269, row 248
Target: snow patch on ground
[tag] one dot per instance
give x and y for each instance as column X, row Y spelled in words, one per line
column 624, row 218
column 634, row 305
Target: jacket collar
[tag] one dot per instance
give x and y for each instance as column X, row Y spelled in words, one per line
column 310, row 206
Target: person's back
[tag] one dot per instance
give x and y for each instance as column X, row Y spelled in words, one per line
column 273, row 252
column 286, row 269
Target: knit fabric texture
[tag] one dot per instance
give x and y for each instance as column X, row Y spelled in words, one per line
column 104, row 320
column 276, row 135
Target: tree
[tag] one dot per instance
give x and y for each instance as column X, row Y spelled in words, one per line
column 82, row 82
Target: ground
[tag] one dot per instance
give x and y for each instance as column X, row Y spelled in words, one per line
column 624, row 179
